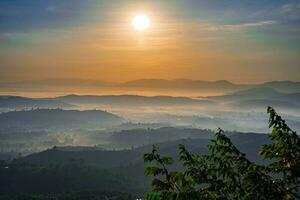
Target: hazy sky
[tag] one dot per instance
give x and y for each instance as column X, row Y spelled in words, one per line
column 242, row 41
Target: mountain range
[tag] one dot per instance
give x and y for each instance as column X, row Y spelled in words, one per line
column 253, row 98
column 176, row 84
column 249, row 143
column 17, row 102
column 132, row 100
column 64, row 169
column 259, row 98
column 57, row 118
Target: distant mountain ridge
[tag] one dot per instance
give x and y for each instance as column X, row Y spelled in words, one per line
column 258, row 93
column 261, row 104
column 284, row 86
column 134, row 100
column 260, row 98
column 178, row 84
column 252, row 93
column 58, row 118
column 17, row 102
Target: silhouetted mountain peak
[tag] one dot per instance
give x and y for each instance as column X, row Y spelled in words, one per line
column 224, row 81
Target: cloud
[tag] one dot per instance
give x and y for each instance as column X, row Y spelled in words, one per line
column 236, row 27
column 291, row 10
column 261, row 23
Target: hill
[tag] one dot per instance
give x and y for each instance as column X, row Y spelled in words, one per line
column 284, row 86
column 142, row 86
column 291, row 97
column 142, row 137
column 220, row 85
column 249, row 143
column 101, row 158
column 67, row 169
column 17, row 102
column 132, row 100
column 181, row 84
column 260, row 104
column 261, row 96
column 258, row 99
column 216, row 86
column 58, row 118
column 253, row 93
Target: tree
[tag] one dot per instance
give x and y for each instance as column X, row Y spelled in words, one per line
column 226, row 173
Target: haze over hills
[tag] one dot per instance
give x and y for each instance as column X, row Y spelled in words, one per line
column 17, row 102
column 249, row 142
column 227, row 111
column 220, row 85
column 203, row 112
column 140, row 87
column 252, row 93
column 87, row 87
column 181, row 84
column 130, row 162
column 259, row 98
column 57, row 118
column 106, row 136
column 77, row 168
column 92, row 148
column 284, row 86
column 259, row 104
column 132, row 100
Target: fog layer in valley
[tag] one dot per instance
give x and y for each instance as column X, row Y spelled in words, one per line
column 29, row 125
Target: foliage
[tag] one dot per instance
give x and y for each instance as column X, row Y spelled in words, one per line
column 85, row 194
column 17, row 177
column 226, row 173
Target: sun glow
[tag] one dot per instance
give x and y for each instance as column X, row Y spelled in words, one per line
column 141, row 22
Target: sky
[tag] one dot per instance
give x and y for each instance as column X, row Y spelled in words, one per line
column 243, row 41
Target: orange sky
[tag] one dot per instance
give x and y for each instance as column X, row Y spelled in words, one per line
column 174, row 46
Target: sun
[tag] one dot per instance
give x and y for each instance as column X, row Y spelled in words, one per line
column 141, row 22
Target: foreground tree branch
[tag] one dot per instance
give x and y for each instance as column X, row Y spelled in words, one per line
column 226, row 173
